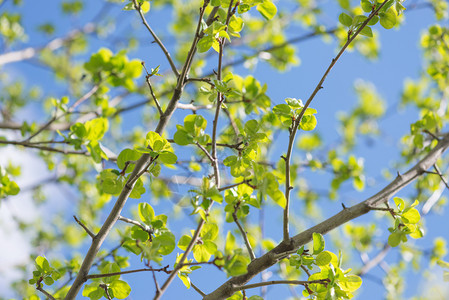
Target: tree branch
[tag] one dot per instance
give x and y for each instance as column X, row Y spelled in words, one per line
column 158, row 41
column 93, row 276
column 43, row 148
column 297, row 121
column 147, row 229
column 87, row 230
column 197, row 289
column 346, row 215
column 368, row 265
column 156, row 102
column 140, row 165
column 243, row 232
column 47, row 294
column 56, row 116
column 272, row 282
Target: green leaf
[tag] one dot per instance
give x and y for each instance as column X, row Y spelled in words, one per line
column 411, row 215
column 400, row 204
column 138, row 234
column 79, row 130
column 133, row 69
column 144, row 7
column 359, row 182
column 182, row 138
column 443, row 264
column 48, row 280
column 323, row 258
column 200, row 253
column 12, row 188
column 205, row 43
column 366, row 6
column 350, row 283
column 282, row 110
column 95, row 151
column 230, row 243
column 165, row 243
column 345, row 19
column 388, row 19
column 110, row 267
column 42, row 264
column 146, row 213
column 93, row 291
column 395, row 239
column 210, row 231
column 366, row 31
column 185, row 279
column 127, row 155
column 168, row 158
column 255, row 297
column 237, row 265
column 318, row 243
column 211, row 247
column 251, row 127
column 119, row 289
column 267, row 9
column 278, row 197
column 184, row 241
column 308, row 123
column 138, row 189
column 158, row 143
column 96, row 128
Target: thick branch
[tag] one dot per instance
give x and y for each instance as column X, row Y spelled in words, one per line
column 346, row 215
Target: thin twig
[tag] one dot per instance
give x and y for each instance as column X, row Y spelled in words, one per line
column 43, row 148
column 206, row 152
column 134, row 222
column 273, row 282
column 192, row 107
column 437, row 170
column 295, row 124
column 87, row 230
column 106, row 290
column 205, row 79
column 189, row 248
column 47, row 294
column 158, row 41
column 221, row 42
column 156, row 284
column 246, row 181
column 71, row 109
column 156, row 102
column 368, row 265
column 165, row 270
column 197, row 289
column 243, row 232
